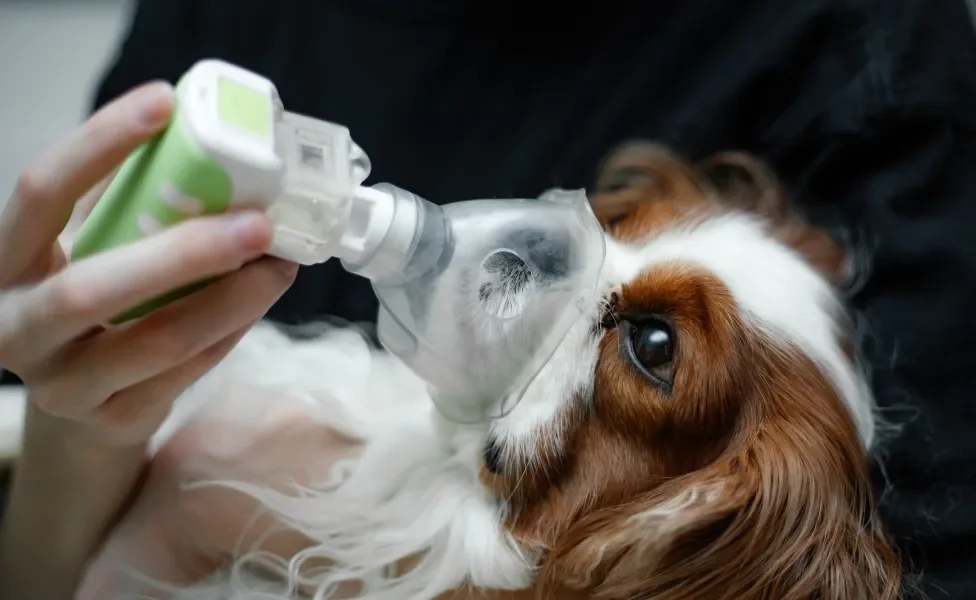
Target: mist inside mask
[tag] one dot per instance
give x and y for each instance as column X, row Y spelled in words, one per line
column 490, row 289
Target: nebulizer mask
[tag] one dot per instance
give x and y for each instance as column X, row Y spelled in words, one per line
column 474, row 296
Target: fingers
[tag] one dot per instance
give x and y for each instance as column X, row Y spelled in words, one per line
column 83, row 207
column 139, row 410
column 119, row 358
column 47, row 189
column 96, row 289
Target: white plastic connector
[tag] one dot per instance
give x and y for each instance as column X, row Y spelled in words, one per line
column 323, row 211
column 372, row 232
column 323, row 172
column 369, row 219
column 390, row 219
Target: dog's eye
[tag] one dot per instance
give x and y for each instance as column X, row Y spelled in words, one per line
column 650, row 345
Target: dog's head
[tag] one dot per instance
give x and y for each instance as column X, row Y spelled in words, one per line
column 702, row 434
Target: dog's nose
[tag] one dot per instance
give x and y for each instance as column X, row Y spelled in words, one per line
column 549, row 253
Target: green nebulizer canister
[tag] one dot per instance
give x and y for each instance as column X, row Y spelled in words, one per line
column 231, row 144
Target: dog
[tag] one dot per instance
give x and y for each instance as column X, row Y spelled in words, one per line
column 703, row 431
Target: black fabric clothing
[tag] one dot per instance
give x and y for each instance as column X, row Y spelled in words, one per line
column 866, row 108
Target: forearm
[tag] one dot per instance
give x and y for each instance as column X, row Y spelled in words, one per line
column 66, row 492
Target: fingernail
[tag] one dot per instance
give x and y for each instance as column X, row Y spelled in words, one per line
column 250, row 230
column 285, row 268
column 155, row 103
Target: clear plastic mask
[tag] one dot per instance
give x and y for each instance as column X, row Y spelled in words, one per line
column 491, row 289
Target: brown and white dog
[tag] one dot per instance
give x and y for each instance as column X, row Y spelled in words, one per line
column 702, row 433
column 717, row 446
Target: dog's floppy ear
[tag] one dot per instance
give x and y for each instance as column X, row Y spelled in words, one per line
column 745, row 182
column 638, row 173
column 744, row 535
column 786, row 513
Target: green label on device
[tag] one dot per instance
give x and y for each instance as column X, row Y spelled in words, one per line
column 244, row 107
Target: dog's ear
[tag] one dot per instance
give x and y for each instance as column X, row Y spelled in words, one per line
column 747, row 535
column 787, row 512
column 638, row 173
column 745, row 182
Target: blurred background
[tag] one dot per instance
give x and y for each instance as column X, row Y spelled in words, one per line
column 51, row 54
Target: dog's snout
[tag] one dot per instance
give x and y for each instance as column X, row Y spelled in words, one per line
column 548, row 252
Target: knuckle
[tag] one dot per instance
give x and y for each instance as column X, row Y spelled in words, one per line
column 16, row 349
column 117, row 412
column 130, row 417
column 35, row 185
column 50, row 397
column 68, row 296
column 69, row 390
column 40, row 394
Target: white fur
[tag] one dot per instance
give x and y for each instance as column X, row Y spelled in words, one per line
column 415, row 488
column 411, row 492
column 774, row 288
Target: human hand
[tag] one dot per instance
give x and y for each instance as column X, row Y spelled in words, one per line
column 116, row 385
column 97, row 394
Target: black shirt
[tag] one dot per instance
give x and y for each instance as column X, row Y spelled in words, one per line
column 866, row 108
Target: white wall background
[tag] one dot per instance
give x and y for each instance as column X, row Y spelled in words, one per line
column 51, row 55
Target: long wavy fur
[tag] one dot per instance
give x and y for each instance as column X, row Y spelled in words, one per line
column 408, row 496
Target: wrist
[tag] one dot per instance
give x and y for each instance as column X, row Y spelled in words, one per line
column 80, row 442
column 67, row 491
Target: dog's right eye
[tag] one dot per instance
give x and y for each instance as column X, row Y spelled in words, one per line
column 649, row 344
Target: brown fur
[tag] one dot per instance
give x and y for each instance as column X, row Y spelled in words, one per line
column 746, row 481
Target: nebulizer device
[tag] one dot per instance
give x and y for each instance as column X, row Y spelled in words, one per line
column 474, row 296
